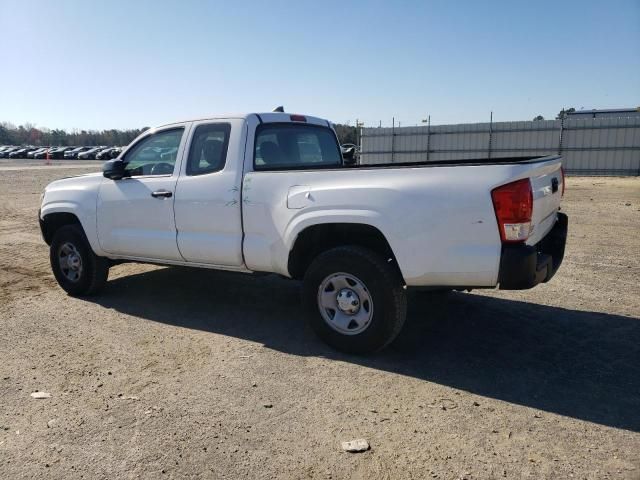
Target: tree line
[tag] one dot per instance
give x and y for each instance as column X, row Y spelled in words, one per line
column 562, row 114
column 28, row 134
column 346, row 133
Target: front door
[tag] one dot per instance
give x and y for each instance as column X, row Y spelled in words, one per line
column 135, row 214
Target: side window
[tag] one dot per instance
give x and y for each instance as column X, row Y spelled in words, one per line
column 208, row 151
column 155, row 154
column 281, row 146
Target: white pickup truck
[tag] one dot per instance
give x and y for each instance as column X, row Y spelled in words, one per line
column 272, row 192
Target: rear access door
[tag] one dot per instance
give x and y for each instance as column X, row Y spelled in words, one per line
column 207, row 199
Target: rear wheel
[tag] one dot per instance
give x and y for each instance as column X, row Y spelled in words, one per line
column 77, row 269
column 355, row 299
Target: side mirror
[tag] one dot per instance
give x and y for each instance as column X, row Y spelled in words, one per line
column 114, row 169
column 348, row 156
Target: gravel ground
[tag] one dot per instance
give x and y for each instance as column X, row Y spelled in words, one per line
column 178, row 373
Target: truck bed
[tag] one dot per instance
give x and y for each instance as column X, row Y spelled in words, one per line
column 472, row 161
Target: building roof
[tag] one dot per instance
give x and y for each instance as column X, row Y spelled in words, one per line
column 604, row 110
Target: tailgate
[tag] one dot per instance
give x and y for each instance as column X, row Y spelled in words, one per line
column 546, row 184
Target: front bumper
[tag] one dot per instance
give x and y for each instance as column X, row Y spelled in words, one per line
column 43, row 229
column 525, row 266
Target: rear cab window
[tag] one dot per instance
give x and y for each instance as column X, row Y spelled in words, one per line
column 289, row 146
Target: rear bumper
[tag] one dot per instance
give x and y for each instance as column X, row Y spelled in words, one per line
column 525, row 266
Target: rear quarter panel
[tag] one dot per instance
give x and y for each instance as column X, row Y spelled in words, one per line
column 439, row 221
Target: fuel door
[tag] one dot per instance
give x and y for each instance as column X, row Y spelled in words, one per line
column 299, row 196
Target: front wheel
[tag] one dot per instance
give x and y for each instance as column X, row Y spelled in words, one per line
column 355, row 299
column 77, row 269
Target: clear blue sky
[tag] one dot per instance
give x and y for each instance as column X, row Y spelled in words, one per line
column 120, row 63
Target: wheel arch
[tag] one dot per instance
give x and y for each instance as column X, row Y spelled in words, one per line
column 50, row 223
column 316, row 239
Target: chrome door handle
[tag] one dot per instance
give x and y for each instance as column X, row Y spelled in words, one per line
column 161, row 194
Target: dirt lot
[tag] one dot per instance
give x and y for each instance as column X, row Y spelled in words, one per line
column 167, row 373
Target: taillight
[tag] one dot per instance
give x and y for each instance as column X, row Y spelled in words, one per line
column 563, row 183
column 513, row 204
column 298, row 118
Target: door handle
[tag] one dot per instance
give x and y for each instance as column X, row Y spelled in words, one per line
column 161, row 194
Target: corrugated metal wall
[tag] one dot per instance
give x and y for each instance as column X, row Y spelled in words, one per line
column 597, row 146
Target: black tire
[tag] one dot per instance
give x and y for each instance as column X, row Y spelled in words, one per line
column 94, row 269
column 383, row 284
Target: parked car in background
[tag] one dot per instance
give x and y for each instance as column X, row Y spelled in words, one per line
column 345, row 146
column 33, row 153
column 21, row 152
column 74, row 152
column 58, row 153
column 351, row 152
column 5, row 153
column 91, row 154
column 109, row 153
column 104, row 154
column 67, row 152
column 13, row 153
column 43, row 154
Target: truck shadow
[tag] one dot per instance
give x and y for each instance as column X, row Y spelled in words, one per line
column 584, row 365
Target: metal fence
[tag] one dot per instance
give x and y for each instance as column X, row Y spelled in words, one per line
column 594, row 146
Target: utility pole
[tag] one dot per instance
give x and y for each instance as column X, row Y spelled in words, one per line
column 357, row 143
column 359, row 125
column 490, row 134
column 428, row 122
column 393, row 135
